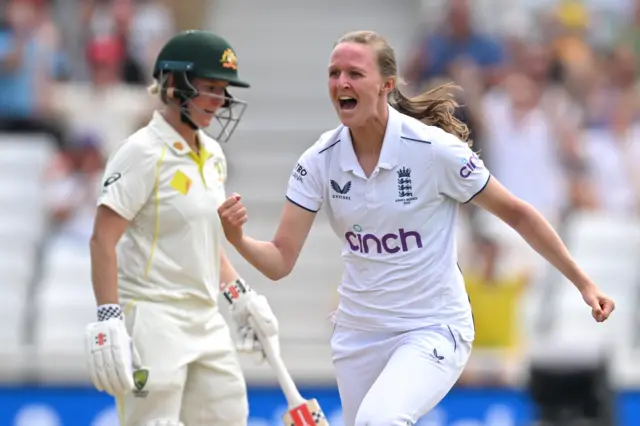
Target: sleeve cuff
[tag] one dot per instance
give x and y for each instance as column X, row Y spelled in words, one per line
column 121, row 211
column 303, row 202
column 479, row 191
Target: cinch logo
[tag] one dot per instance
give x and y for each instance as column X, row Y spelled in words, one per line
column 388, row 243
column 469, row 166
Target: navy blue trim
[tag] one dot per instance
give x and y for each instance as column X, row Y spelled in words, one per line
column 479, row 191
column 455, row 342
column 414, row 140
column 330, row 146
column 301, row 206
column 473, row 318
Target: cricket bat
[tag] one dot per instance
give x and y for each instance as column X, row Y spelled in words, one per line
column 300, row 412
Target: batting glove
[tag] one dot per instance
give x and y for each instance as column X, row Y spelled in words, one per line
column 246, row 303
column 109, row 351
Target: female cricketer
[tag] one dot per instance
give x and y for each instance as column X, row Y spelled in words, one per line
column 392, row 176
column 160, row 344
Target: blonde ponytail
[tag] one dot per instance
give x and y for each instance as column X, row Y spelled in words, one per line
column 435, row 107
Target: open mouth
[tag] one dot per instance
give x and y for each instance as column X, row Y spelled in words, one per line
column 347, row 103
column 208, row 111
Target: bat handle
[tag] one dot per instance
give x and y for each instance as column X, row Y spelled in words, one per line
column 287, row 384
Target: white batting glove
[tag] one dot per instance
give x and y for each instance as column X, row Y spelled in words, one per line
column 245, row 303
column 109, row 351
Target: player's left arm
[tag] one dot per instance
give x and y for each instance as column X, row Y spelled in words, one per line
column 541, row 236
column 533, row 227
column 464, row 177
column 245, row 304
column 228, row 273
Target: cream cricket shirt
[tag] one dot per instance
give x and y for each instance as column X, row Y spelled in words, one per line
column 170, row 195
column 397, row 226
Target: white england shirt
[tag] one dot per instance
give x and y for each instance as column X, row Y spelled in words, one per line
column 397, row 226
column 170, row 195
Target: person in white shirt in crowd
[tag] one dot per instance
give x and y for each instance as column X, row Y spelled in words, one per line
column 392, row 176
column 161, row 345
column 611, row 136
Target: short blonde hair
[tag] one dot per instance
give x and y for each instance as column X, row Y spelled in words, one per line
column 155, row 88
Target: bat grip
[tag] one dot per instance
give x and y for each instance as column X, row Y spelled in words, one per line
column 287, row 384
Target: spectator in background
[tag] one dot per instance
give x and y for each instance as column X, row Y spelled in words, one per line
column 630, row 34
column 531, row 125
column 29, row 60
column 494, row 290
column 612, row 137
column 151, row 26
column 112, row 19
column 614, row 92
column 569, row 23
column 117, row 108
column 72, row 186
column 566, row 30
column 457, row 40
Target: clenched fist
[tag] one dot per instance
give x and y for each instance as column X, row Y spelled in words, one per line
column 233, row 215
column 601, row 305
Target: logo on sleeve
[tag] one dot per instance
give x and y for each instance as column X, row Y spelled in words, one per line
column 405, row 186
column 112, row 179
column 299, row 173
column 341, row 191
column 469, row 166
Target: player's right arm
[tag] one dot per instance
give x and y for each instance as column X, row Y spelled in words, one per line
column 276, row 258
column 128, row 181
column 108, row 228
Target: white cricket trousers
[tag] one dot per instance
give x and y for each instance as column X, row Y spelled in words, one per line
column 194, row 374
column 393, row 379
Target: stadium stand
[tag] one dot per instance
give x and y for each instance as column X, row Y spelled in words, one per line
column 22, row 225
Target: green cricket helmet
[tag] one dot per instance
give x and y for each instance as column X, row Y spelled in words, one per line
column 201, row 54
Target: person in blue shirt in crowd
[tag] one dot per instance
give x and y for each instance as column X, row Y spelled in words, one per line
column 457, row 42
column 29, row 60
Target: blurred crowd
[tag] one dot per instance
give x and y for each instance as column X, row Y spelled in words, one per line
column 551, row 99
column 550, row 96
column 83, row 83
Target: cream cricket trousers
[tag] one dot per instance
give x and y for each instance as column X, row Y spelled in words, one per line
column 393, row 379
column 194, row 374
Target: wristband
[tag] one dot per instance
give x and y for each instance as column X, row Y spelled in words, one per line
column 235, row 290
column 106, row 312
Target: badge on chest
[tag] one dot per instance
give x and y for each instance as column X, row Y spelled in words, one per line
column 181, row 182
column 405, row 186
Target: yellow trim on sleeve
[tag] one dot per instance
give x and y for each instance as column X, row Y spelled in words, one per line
column 157, row 204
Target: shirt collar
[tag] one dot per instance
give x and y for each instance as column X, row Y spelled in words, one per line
column 172, row 138
column 390, row 145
